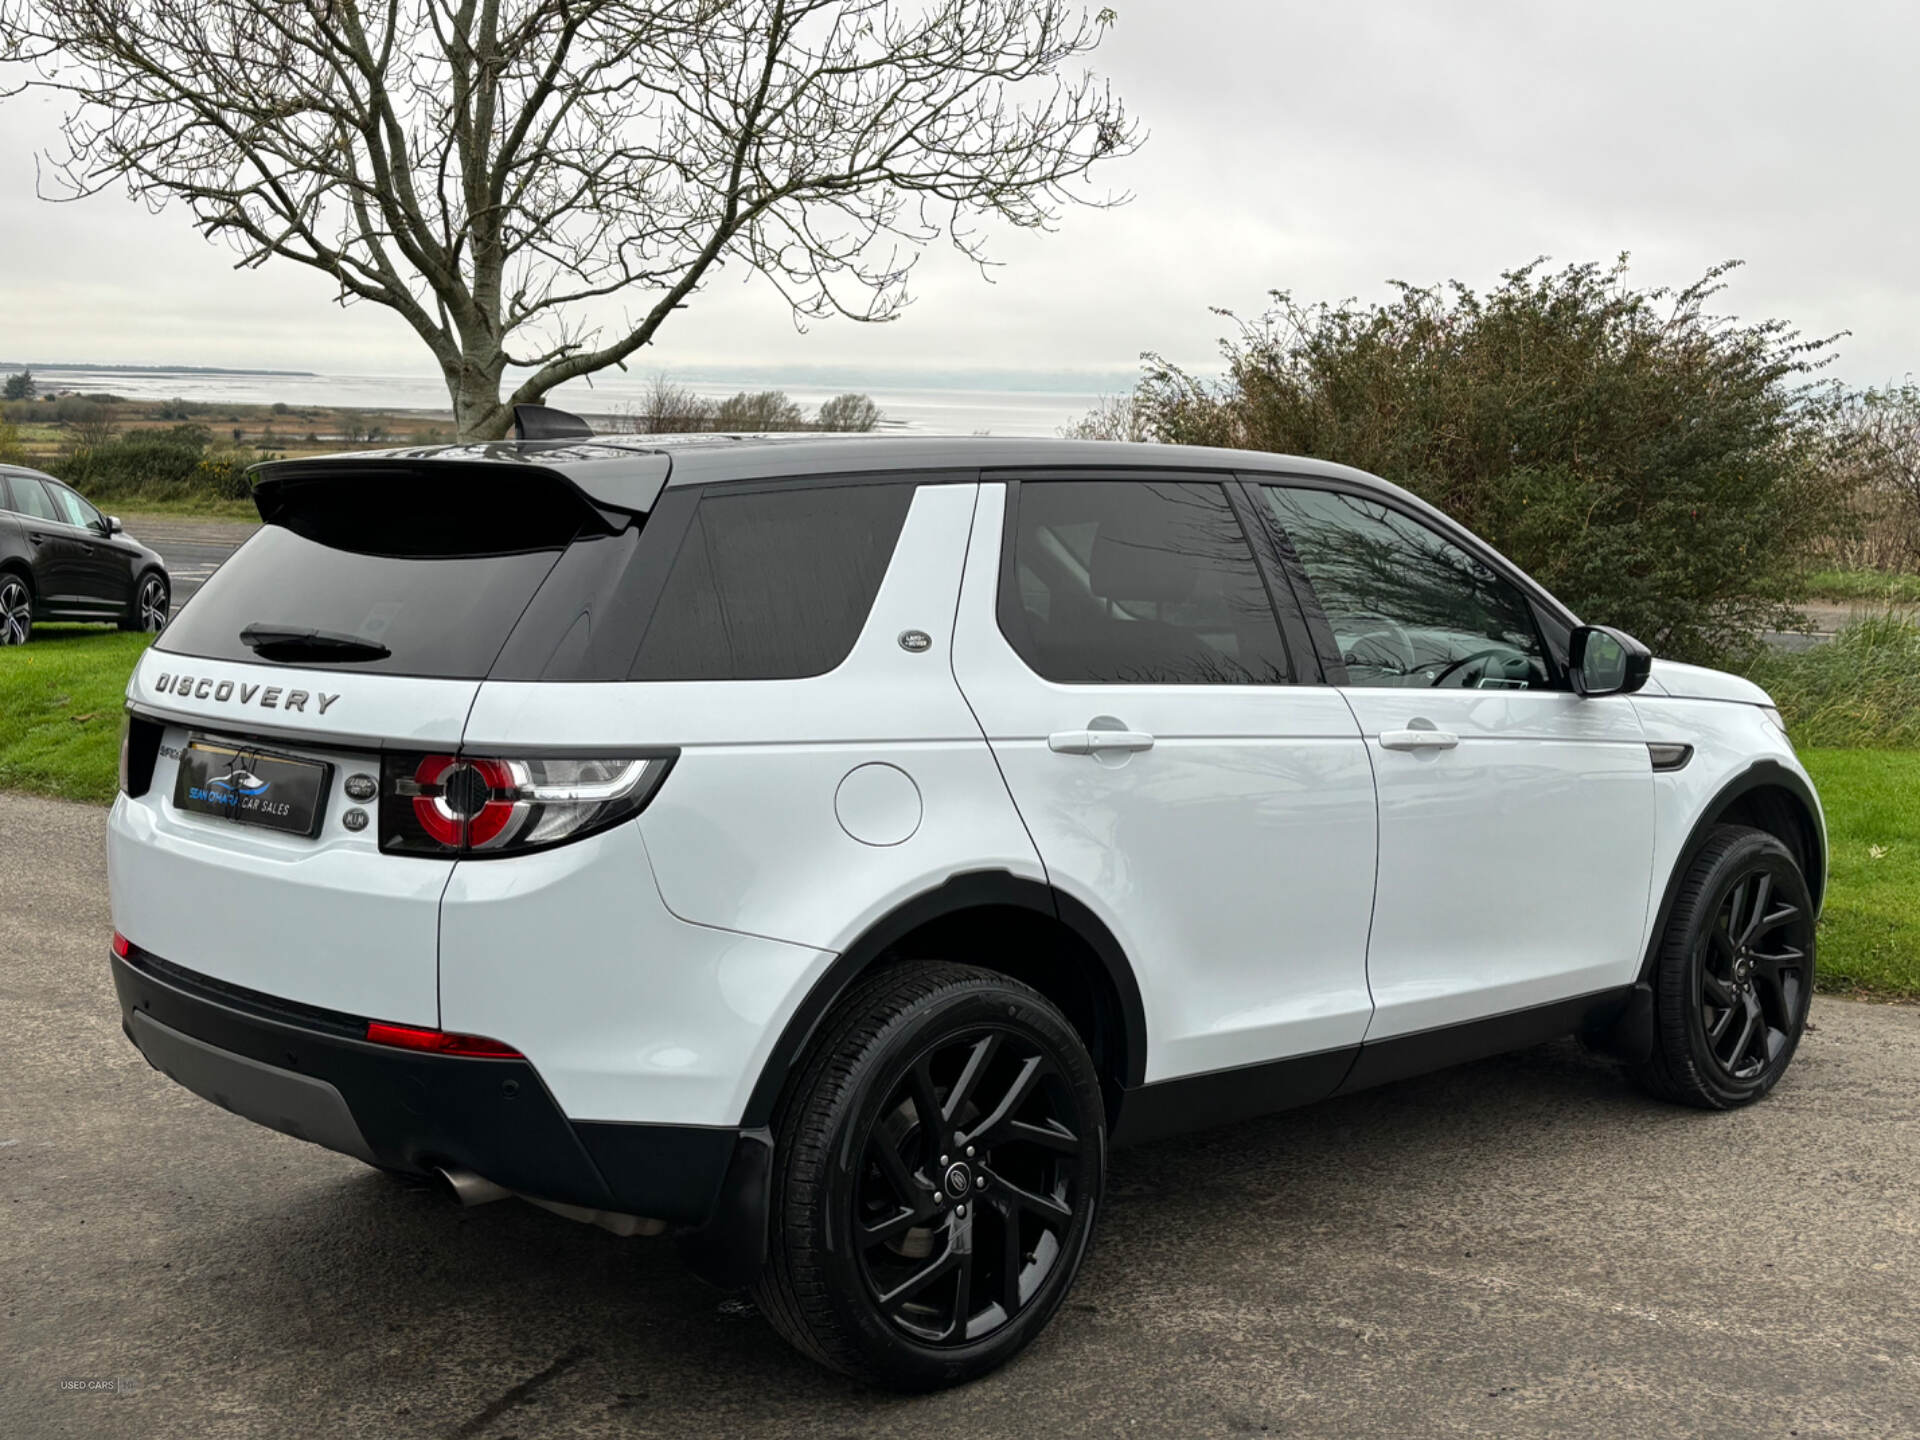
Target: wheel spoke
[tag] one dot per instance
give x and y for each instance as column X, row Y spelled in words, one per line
column 942, row 1264
column 905, row 1186
column 989, row 1128
column 1044, row 1206
column 1010, row 1257
column 1750, row 1018
column 1773, row 920
column 1764, row 892
column 1050, row 1136
column 933, row 1120
column 1770, row 965
column 962, row 1297
column 977, row 1061
column 892, row 1228
column 1717, row 1031
column 1718, row 991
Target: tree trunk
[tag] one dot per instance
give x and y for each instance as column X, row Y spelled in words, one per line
column 474, row 384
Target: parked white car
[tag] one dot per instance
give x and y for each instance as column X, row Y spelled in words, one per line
column 823, row 849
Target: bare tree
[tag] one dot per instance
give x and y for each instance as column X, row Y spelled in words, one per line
column 758, row 411
column 666, row 408
column 489, row 169
column 1878, row 443
column 1113, row 417
column 847, row 413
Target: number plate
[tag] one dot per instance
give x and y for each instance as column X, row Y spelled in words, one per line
column 252, row 787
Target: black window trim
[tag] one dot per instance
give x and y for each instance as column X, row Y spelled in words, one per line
column 1325, row 648
column 1281, row 602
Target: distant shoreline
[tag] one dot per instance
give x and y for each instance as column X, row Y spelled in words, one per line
column 153, row 370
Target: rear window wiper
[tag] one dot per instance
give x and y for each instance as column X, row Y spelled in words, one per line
column 315, row 644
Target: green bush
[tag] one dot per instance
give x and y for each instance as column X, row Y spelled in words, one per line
column 1860, row 689
column 171, row 464
column 1657, row 467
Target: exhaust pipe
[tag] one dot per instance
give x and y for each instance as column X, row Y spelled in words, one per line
column 471, row 1189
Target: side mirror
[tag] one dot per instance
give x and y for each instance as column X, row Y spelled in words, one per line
column 114, row 527
column 1605, row 661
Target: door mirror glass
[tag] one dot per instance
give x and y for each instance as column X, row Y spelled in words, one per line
column 1606, row 661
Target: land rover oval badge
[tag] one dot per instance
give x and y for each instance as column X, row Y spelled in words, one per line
column 915, row 641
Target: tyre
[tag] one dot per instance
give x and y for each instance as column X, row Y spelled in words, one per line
column 1734, row 975
column 16, row 610
column 937, row 1170
column 151, row 601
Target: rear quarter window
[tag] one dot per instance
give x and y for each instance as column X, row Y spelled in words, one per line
column 773, row 584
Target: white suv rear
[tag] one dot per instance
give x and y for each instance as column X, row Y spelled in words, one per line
column 822, row 848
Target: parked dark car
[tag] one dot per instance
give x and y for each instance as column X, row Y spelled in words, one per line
column 61, row 559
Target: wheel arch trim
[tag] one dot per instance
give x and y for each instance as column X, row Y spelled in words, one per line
column 1760, row 775
column 968, row 890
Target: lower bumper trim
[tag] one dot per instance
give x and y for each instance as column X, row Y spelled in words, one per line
column 265, row 1094
column 313, row 1077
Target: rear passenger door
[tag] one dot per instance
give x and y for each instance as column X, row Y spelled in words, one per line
column 1120, row 648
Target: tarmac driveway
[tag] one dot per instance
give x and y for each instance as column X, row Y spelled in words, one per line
column 1521, row 1247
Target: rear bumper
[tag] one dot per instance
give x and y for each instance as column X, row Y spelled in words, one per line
column 307, row 1072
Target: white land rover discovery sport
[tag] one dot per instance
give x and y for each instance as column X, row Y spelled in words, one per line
column 824, row 849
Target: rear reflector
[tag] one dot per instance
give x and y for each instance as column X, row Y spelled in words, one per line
column 408, row 1037
column 122, row 946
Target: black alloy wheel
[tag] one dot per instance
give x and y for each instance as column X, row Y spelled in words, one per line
column 1753, row 972
column 16, row 611
column 150, row 604
column 938, row 1168
column 1734, row 978
column 965, row 1198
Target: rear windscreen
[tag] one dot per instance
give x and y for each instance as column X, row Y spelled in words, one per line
column 388, row 571
column 442, row 617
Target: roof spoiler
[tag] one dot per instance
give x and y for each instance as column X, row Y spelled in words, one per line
column 543, row 422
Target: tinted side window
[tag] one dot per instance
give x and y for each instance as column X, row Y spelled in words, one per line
column 1407, row 606
column 30, row 497
column 773, row 584
column 1137, row 582
column 73, row 509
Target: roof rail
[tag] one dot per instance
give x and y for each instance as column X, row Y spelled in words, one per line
column 543, row 422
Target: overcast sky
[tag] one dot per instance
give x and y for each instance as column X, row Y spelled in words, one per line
column 1321, row 148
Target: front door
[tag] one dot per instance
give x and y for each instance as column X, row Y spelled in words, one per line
column 1516, row 818
column 1120, row 649
column 103, row 565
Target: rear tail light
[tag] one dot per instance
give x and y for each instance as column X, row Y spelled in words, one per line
column 484, row 806
column 438, row 1042
column 122, row 946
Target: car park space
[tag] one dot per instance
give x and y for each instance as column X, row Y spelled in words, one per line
column 1525, row 1246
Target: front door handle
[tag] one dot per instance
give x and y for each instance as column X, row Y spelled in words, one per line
column 1097, row 742
column 1426, row 738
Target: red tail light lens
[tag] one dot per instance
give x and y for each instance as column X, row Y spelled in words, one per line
column 439, row 1042
column 122, row 946
column 469, row 805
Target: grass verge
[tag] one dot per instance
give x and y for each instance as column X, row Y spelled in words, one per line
column 1864, row 585
column 1859, row 689
column 61, row 697
column 203, row 507
column 1870, row 931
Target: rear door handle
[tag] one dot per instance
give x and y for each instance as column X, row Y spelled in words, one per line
column 1418, row 740
column 39, row 537
column 1095, row 742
